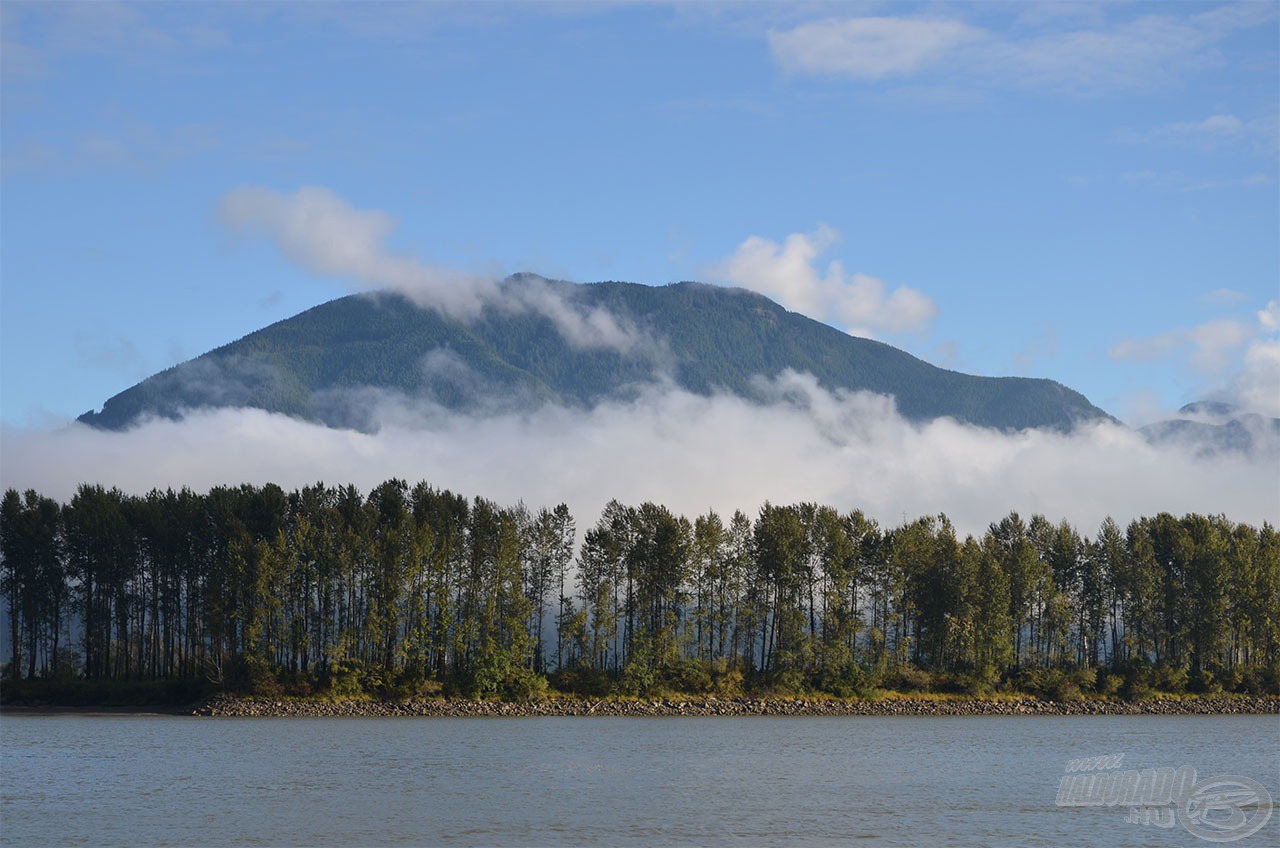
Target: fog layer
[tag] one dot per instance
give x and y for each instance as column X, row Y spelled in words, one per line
column 687, row 451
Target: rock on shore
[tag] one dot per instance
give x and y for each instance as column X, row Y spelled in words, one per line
column 224, row 706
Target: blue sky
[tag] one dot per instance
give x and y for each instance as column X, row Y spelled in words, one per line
column 1086, row 192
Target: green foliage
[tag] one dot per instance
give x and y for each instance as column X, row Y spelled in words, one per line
column 727, row 679
column 688, row 675
column 1051, row 684
column 582, row 681
column 495, row 675
column 344, row 680
column 1170, row 679
column 79, row 692
column 1108, row 685
column 412, row 591
column 1137, row 683
column 640, row 675
column 976, row 685
column 906, row 677
column 849, row 681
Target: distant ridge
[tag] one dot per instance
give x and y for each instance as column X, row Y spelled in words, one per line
column 705, row 338
column 1215, row 427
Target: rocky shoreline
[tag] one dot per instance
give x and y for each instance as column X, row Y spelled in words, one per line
column 228, row 707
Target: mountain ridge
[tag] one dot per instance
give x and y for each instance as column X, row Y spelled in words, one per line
column 523, row 350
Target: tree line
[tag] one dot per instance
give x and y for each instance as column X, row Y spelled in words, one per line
column 411, row 590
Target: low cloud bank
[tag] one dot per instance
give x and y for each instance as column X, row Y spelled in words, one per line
column 683, row 450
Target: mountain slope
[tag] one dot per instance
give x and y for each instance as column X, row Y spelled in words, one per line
column 705, row 338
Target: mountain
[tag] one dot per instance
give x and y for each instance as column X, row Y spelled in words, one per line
column 1212, row 427
column 704, row 338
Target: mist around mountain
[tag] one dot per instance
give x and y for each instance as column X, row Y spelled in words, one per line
column 544, row 341
column 1211, row 428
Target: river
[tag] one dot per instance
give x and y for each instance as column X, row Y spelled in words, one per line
column 164, row 780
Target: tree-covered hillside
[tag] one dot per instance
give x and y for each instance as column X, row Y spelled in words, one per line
column 704, row 338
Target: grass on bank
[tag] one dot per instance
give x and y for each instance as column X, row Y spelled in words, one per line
column 684, row 680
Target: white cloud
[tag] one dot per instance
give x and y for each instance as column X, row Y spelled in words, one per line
column 1209, row 347
column 684, row 450
column 1213, row 343
column 861, row 304
column 1257, row 386
column 1240, row 358
column 321, row 233
column 868, row 48
column 1269, row 316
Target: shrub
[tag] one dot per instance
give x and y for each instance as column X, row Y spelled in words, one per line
column 1170, row 679
column 852, row 681
column 1085, row 679
column 342, row 680
column 908, row 678
column 496, row 674
column 1206, row 682
column 1258, row 680
column 578, row 680
column 1137, row 683
column 1052, row 684
column 727, row 681
column 688, row 675
column 638, row 678
column 980, row 683
column 1109, row 684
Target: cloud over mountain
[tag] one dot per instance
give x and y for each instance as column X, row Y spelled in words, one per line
column 322, row 234
column 859, row 303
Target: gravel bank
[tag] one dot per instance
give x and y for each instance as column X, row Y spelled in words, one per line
column 462, row 708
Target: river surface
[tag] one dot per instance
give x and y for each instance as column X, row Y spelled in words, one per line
column 158, row 780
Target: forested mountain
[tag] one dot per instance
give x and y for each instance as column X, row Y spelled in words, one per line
column 704, row 338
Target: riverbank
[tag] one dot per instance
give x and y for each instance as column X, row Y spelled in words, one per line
column 228, row 707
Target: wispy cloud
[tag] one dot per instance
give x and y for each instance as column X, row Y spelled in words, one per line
column 1181, row 182
column 37, row 36
column 324, row 235
column 1251, row 181
column 1221, row 132
column 117, row 143
column 1044, row 346
column 118, row 355
column 869, row 48
column 1224, row 297
column 1067, row 53
column 859, row 303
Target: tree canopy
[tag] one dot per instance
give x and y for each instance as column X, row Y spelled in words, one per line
column 410, row 589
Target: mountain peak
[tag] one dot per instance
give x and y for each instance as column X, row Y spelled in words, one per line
column 581, row 345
